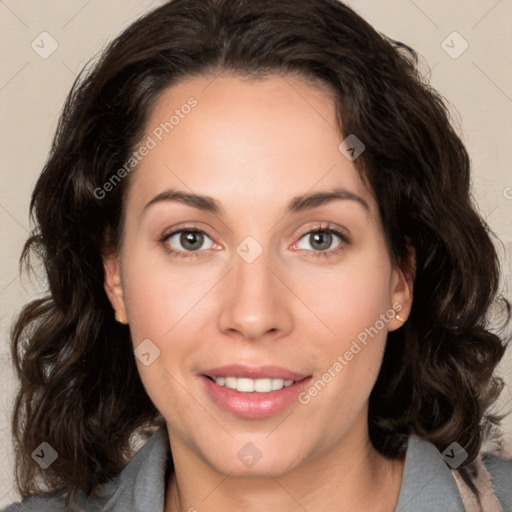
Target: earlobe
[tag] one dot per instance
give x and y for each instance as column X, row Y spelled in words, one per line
column 402, row 293
column 113, row 286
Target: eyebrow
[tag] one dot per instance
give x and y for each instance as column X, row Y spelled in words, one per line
column 297, row 204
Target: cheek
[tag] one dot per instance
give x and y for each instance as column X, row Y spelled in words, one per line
column 351, row 303
column 159, row 293
column 350, row 298
column 161, row 303
column 166, row 305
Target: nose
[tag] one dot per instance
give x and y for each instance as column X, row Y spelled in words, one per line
column 255, row 302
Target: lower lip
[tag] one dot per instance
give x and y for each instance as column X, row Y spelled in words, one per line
column 254, row 405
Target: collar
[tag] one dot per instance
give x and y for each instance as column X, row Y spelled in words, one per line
column 427, row 483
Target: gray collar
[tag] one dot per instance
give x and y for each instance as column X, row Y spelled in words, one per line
column 427, row 483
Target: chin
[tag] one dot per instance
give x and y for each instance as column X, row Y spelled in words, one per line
column 276, row 466
column 249, row 457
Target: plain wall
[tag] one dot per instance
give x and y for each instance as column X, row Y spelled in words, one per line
column 477, row 83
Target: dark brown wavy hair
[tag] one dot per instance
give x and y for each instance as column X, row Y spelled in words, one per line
column 80, row 388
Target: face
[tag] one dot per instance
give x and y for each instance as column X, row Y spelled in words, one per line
column 252, row 284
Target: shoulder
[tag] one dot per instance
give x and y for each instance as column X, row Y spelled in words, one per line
column 148, row 464
column 37, row 504
column 42, row 503
column 491, row 476
column 500, row 471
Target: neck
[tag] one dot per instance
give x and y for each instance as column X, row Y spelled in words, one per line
column 352, row 473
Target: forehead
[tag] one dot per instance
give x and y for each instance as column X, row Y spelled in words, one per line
column 244, row 140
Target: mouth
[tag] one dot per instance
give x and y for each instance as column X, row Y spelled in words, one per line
column 253, row 392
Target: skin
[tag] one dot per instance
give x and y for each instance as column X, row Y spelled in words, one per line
column 253, row 146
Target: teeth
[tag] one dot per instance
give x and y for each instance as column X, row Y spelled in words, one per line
column 277, row 384
column 245, row 385
column 263, row 385
column 230, row 382
column 250, row 385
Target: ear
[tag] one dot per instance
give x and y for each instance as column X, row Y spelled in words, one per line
column 402, row 287
column 114, row 288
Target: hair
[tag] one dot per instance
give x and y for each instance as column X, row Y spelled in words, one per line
column 80, row 390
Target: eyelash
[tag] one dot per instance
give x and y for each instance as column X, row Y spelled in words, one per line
column 325, row 228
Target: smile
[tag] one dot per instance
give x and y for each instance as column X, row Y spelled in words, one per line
column 265, row 393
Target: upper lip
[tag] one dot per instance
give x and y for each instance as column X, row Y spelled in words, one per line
column 254, row 372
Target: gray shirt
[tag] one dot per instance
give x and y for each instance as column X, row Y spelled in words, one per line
column 427, row 483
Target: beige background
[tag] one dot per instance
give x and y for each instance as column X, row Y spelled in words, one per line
column 478, row 83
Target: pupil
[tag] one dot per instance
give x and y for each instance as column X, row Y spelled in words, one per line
column 189, row 237
column 320, row 236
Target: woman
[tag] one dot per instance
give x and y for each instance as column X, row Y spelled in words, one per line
column 195, row 169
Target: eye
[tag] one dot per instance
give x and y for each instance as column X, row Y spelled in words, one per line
column 190, row 240
column 321, row 239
